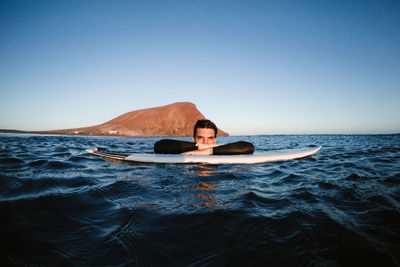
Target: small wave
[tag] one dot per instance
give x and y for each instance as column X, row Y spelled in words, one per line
column 393, row 180
column 38, row 163
column 354, row 177
column 62, row 155
column 78, row 159
column 326, row 185
column 59, row 165
column 303, row 195
column 256, row 200
column 10, row 161
column 16, row 188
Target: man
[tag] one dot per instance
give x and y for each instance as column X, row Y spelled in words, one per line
column 204, row 143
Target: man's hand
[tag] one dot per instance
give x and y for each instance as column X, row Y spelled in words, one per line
column 203, row 146
column 202, row 150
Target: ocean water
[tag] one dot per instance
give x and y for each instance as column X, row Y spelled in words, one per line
column 61, row 206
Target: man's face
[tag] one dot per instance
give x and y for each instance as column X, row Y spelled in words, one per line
column 205, row 136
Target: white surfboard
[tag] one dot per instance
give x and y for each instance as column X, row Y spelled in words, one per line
column 262, row 157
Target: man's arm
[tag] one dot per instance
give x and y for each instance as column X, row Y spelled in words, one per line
column 170, row 146
column 236, row 148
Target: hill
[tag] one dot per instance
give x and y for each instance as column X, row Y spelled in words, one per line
column 177, row 119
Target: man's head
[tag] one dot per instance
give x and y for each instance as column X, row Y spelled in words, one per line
column 205, row 132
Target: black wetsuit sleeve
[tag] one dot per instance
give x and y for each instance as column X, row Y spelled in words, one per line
column 236, row 148
column 170, row 146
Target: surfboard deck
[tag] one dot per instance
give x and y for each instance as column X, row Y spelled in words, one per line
column 263, row 157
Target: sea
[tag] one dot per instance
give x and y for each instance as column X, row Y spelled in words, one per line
column 60, row 206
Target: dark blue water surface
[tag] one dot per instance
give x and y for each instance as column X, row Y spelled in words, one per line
column 61, row 206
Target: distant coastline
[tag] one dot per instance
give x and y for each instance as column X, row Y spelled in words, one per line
column 84, row 134
column 68, row 132
column 58, row 132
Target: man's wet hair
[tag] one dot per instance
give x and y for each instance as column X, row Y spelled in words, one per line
column 205, row 124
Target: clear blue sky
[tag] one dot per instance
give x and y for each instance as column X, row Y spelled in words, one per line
column 253, row 67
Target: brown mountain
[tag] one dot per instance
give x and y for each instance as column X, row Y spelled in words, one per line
column 176, row 119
